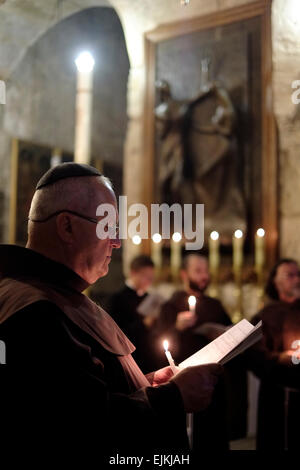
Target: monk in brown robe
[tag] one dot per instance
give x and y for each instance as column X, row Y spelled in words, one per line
column 69, row 377
column 276, row 363
column 188, row 332
column 123, row 308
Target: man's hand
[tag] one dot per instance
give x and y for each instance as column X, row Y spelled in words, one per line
column 196, row 385
column 161, row 376
column 185, row 320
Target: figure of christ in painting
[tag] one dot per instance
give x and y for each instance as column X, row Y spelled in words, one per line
column 198, row 155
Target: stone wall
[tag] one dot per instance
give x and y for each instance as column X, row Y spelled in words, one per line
column 41, row 91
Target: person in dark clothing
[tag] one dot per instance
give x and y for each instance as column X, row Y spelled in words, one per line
column 188, row 332
column 177, row 322
column 275, row 361
column 123, row 309
column 69, row 376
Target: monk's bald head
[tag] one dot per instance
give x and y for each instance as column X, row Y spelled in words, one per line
column 78, row 194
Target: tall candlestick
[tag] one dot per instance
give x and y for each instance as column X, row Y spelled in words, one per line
column 214, row 255
column 259, row 253
column 175, row 255
column 169, row 357
column 238, row 243
column 84, row 97
column 192, row 303
column 156, row 252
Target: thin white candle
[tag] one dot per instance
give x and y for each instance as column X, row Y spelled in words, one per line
column 192, row 303
column 169, row 357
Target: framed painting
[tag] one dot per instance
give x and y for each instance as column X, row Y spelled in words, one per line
column 209, row 129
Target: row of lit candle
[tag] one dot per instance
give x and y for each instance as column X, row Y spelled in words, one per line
column 214, row 252
column 156, row 251
column 237, row 252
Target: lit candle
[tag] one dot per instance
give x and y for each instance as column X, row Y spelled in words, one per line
column 84, row 106
column 192, row 303
column 136, row 240
column 259, row 252
column 238, row 243
column 175, row 255
column 214, row 256
column 169, row 357
column 156, row 253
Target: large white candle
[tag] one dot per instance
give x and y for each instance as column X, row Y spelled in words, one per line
column 238, row 243
column 259, row 252
column 169, row 356
column 156, row 252
column 84, row 101
column 214, row 255
column 175, row 255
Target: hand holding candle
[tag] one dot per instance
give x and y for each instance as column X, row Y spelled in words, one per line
column 169, row 357
column 187, row 319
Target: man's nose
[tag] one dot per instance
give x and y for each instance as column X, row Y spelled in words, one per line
column 116, row 242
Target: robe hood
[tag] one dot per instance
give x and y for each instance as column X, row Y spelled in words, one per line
column 27, row 277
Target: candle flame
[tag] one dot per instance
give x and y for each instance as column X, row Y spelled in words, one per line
column 238, row 234
column 176, row 237
column 260, row 232
column 136, row 239
column 192, row 301
column 214, row 235
column 166, row 345
column 156, row 237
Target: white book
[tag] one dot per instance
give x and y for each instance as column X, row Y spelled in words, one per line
column 228, row 345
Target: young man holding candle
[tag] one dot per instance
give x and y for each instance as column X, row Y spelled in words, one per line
column 70, row 384
column 189, row 320
column 180, row 317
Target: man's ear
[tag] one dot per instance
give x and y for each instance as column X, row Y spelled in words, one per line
column 64, row 227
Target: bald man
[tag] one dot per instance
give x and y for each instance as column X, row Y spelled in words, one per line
column 70, row 378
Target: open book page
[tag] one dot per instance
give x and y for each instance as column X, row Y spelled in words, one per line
column 231, row 343
column 254, row 336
